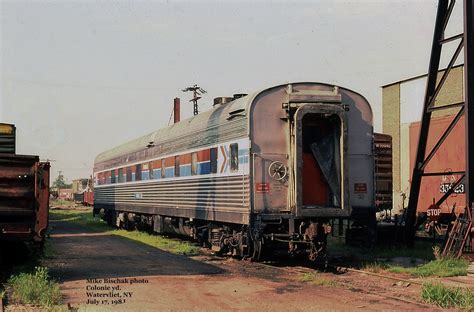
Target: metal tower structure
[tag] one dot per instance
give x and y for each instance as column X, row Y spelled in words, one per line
column 465, row 42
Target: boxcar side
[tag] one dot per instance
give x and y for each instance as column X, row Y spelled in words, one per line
column 24, row 198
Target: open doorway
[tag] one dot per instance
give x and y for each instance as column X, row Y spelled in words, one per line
column 321, row 160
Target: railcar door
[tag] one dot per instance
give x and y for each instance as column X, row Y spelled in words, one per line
column 320, row 156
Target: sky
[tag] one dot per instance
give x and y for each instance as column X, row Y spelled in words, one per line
column 80, row 77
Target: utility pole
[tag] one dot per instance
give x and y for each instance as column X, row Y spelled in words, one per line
column 197, row 91
column 59, row 188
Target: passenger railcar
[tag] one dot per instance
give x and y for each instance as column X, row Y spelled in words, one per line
column 273, row 166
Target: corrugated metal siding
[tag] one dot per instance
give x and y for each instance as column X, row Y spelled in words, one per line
column 7, row 138
column 18, row 205
column 190, row 197
column 17, row 186
column 383, row 171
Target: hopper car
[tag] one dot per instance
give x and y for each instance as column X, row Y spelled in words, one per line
column 266, row 169
column 24, row 192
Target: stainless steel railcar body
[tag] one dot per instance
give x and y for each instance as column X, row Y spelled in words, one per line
column 274, row 163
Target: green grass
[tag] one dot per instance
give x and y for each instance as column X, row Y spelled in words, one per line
column 316, row 279
column 168, row 244
column 62, row 203
column 85, row 218
column 444, row 267
column 447, row 297
column 34, row 288
column 377, row 259
column 375, row 267
column 80, row 217
column 421, row 250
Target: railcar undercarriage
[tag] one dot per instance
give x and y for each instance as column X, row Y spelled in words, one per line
column 248, row 242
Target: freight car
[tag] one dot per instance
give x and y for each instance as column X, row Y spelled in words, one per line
column 24, row 193
column 85, row 198
column 82, row 191
column 88, row 198
column 271, row 167
column 383, row 172
column 449, row 159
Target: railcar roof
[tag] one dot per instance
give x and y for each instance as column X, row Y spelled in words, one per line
column 208, row 119
column 213, row 117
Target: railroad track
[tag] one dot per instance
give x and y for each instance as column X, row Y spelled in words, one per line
column 349, row 285
column 293, row 270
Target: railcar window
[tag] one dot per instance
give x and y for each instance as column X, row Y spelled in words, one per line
column 120, row 175
column 194, row 163
column 145, row 172
column 138, row 172
column 112, row 176
column 234, row 157
column 150, row 171
column 214, row 160
column 129, row 174
column 163, row 171
column 176, row 166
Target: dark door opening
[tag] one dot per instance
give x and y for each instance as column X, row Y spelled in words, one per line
column 321, row 168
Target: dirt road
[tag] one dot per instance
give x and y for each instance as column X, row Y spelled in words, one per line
column 101, row 272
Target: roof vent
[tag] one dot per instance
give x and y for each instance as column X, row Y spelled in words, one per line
column 239, row 95
column 222, row 100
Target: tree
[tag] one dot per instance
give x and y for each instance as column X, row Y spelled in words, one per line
column 60, row 183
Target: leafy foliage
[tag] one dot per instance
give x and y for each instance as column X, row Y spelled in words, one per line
column 60, row 182
column 35, row 288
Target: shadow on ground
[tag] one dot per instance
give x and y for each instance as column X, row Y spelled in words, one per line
column 79, row 253
column 16, row 256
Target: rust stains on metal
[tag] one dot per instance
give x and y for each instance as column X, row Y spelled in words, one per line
column 24, row 197
column 449, row 159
